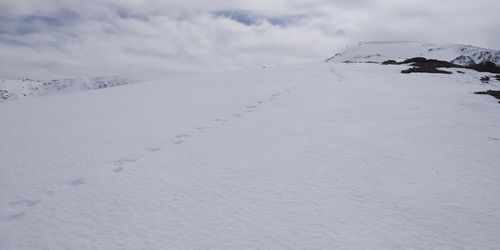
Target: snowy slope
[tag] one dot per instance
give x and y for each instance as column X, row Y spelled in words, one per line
column 382, row 51
column 26, row 88
column 322, row 156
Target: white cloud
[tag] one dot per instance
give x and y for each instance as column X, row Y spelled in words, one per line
column 150, row 38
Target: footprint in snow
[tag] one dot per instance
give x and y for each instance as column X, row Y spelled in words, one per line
column 77, row 182
column 152, row 149
column 125, row 161
column 201, row 128
column 178, row 142
column 220, row 120
column 118, row 169
column 25, row 203
column 14, row 216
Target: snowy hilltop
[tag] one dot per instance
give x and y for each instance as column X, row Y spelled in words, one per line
column 382, row 51
column 313, row 156
column 27, row 88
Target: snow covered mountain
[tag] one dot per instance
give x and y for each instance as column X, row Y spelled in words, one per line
column 27, row 88
column 383, row 51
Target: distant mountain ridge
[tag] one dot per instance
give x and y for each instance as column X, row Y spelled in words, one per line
column 26, row 88
column 378, row 52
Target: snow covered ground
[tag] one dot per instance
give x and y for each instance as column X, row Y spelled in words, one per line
column 322, row 156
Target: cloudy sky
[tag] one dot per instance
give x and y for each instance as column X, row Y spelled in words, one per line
column 147, row 39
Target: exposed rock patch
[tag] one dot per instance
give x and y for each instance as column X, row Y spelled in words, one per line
column 424, row 65
column 494, row 93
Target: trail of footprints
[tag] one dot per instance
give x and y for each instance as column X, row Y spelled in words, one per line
column 21, row 207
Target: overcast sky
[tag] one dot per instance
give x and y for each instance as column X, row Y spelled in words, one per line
column 147, row 39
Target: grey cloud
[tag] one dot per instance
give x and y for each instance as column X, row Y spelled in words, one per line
column 249, row 18
column 21, row 25
column 239, row 16
column 126, row 14
column 151, row 38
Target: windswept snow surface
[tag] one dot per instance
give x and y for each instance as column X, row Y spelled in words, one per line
column 323, row 156
column 383, row 51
